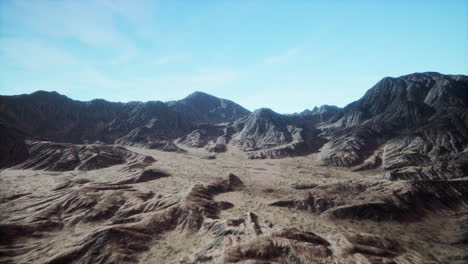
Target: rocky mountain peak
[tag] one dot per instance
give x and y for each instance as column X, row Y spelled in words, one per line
column 407, row 100
column 265, row 113
column 200, row 95
column 45, row 93
column 201, row 107
column 324, row 108
column 321, row 114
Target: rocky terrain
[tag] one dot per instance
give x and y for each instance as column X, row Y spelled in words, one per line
column 415, row 120
column 51, row 116
column 203, row 180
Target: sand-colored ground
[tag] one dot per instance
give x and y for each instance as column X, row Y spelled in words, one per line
column 266, row 181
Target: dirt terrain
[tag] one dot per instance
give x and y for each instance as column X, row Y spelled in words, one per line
column 204, row 180
column 205, row 208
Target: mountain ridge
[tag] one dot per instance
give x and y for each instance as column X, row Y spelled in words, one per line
column 427, row 107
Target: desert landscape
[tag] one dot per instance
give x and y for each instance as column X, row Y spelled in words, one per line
column 204, row 180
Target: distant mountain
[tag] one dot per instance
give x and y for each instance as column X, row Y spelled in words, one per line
column 55, row 117
column 264, row 128
column 204, row 108
column 322, row 113
column 267, row 134
column 413, row 126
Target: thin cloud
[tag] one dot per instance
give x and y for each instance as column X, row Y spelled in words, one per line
column 92, row 24
column 284, row 56
column 34, row 54
column 168, row 59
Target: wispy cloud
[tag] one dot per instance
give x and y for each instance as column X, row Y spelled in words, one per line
column 168, row 59
column 284, row 56
column 77, row 47
column 34, row 54
column 95, row 25
column 79, row 20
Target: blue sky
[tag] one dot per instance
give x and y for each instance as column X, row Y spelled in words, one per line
column 285, row 55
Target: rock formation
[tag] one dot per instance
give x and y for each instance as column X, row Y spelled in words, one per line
column 65, row 157
column 382, row 200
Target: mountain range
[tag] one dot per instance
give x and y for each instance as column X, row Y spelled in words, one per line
column 204, row 180
column 412, row 126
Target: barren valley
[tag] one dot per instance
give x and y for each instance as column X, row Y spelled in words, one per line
column 203, row 180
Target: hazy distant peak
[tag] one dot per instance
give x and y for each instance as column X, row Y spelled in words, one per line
column 198, row 94
column 324, row 108
column 264, row 110
column 42, row 92
column 201, row 107
column 46, row 94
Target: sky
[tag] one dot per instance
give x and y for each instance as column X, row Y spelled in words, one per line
column 284, row 55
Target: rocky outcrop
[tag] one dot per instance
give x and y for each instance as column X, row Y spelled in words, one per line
column 217, row 148
column 383, row 201
column 303, row 186
column 203, row 136
column 144, row 176
column 144, row 138
column 372, row 162
column 245, row 240
column 280, row 246
column 66, row 157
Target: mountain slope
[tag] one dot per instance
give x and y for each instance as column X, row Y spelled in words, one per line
column 204, row 108
column 267, row 134
column 422, row 119
column 13, row 149
column 55, row 117
column 407, row 101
